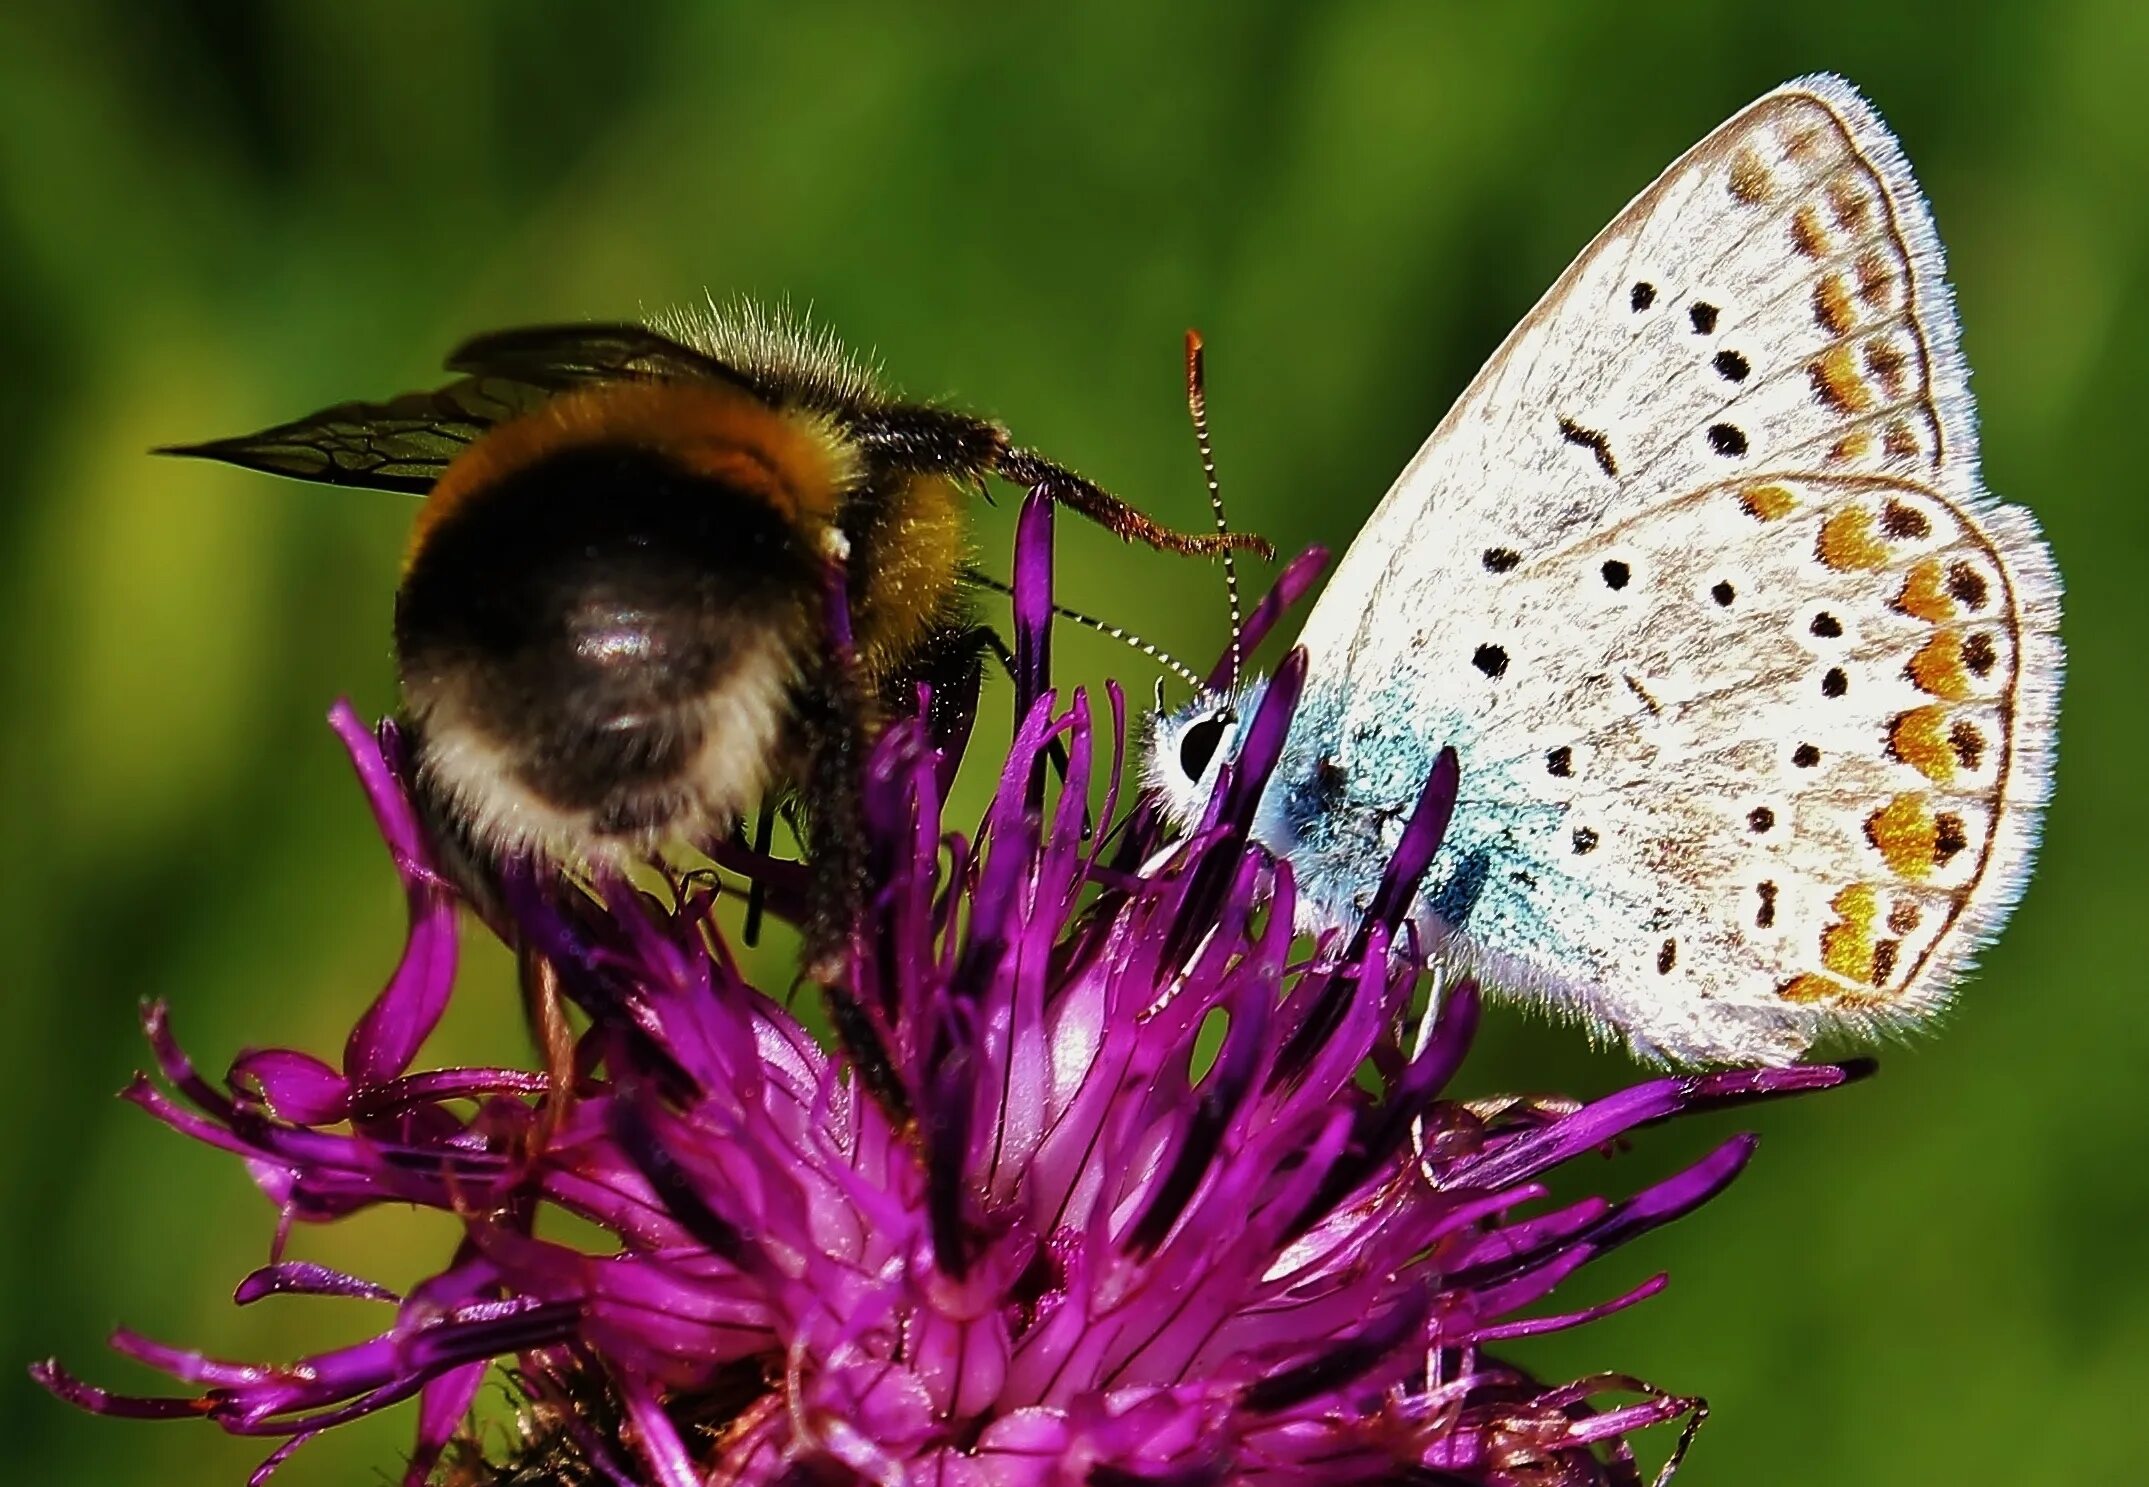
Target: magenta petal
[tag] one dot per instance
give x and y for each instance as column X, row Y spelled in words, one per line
column 1033, row 601
column 1536, row 1326
column 1292, row 584
column 296, row 1086
column 387, row 1038
column 385, row 795
column 273, row 1462
column 103, row 1402
column 303, row 1278
column 442, row 1407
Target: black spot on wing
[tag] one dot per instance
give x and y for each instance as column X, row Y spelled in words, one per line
column 1596, row 443
column 1904, row 523
column 1949, row 837
column 1966, row 585
column 1884, row 957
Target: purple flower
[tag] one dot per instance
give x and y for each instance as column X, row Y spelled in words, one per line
column 1017, row 1229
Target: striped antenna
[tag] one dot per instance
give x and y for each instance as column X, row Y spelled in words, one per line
column 1155, row 653
column 1197, row 403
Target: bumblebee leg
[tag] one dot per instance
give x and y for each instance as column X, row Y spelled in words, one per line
column 951, row 664
column 942, row 442
column 826, row 814
column 757, row 890
column 1126, row 522
column 831, row 715
column 836, row 885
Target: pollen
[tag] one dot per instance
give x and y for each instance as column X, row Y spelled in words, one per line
column 1937, row 668
column 1905, row 834
column 1848, row 541
column 1925, row 593
column 1920, row 739
column 1767, row 502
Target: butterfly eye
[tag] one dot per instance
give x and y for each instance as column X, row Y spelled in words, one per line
column 1198, row 745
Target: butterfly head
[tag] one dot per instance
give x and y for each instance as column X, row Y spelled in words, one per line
column 1189, row 744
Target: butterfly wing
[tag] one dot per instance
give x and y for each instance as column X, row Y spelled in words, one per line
column 1753, row 681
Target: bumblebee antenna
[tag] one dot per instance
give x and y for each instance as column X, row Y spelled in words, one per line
column 1155, row 653
column 1197, row 404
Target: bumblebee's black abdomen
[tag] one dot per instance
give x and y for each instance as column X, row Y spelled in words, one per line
column 612, row 631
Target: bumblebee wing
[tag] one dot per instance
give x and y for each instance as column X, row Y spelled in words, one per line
column 403, row 444
column 400, row 445
column 556, row 357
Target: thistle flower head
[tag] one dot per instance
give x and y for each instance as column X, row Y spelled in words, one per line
column 1025, row 1225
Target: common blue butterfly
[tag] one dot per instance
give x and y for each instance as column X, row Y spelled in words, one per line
column 1753, row 684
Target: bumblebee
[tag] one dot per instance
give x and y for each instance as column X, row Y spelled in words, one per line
column 612, row 631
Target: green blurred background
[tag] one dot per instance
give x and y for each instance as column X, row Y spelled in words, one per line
column 218, row 214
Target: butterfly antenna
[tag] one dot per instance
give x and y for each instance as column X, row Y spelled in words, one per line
column 1197, row 404
column 1125, row 637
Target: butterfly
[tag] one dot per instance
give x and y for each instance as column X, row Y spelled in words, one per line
column 1752, row 683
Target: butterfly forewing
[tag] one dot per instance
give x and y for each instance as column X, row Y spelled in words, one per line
column 1753, row 682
